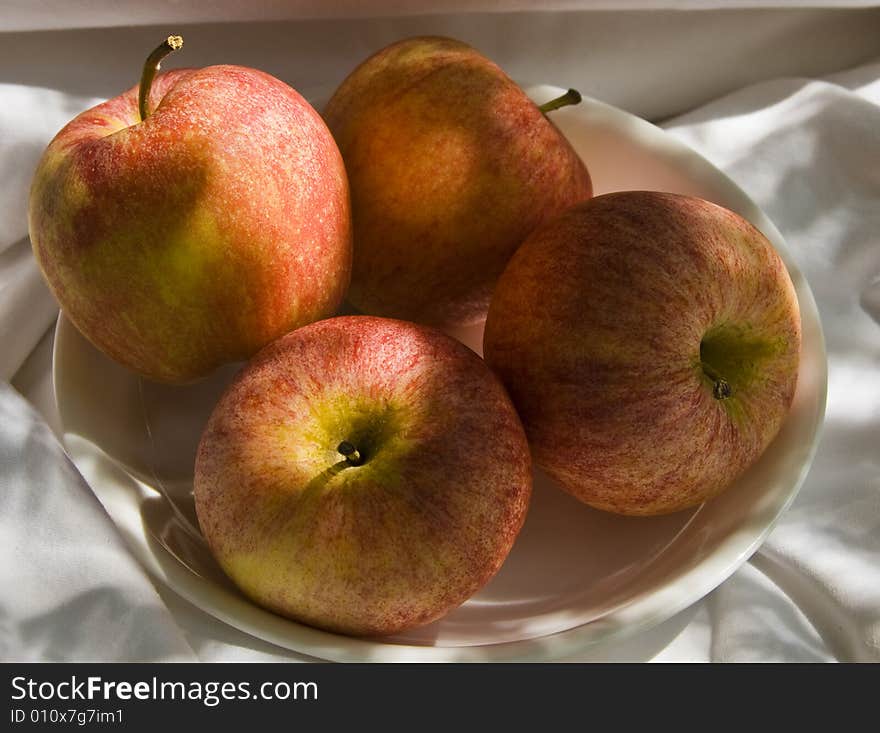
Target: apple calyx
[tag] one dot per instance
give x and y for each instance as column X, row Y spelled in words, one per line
column 572, row 96
column 352, row 455
column 151, row 68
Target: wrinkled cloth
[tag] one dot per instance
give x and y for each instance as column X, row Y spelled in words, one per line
column 808, row 153
column 71, row 590
column 806, row 150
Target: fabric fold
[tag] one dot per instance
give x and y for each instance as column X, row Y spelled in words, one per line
column 808, row 153
column 72, row 592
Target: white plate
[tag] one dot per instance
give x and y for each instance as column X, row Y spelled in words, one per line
column 575, row 576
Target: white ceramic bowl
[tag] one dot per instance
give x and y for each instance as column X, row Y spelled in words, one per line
column 575, row 576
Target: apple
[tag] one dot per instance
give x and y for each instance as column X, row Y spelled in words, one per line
column 362, row 475
column 191, row 220
column 650, row 343
column 451, row 166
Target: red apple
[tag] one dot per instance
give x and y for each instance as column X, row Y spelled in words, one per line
column 363, row 475
column 192, row 228
column 451, row 166
column 650, row 343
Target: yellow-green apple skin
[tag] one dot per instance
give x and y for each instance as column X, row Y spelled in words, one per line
column 451, row 166
column 650, row 343
column 419, row 525
column 198, row 235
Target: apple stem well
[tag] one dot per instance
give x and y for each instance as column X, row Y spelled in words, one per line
column 352, row 454
column 151, row 67
column 572, row 96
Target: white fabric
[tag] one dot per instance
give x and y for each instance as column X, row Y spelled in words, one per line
column 29, row 118
column 808, row 151
column 71, row 591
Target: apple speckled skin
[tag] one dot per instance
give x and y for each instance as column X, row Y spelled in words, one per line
column 610, row 328
column 197, row 236
column 451, row 166
column 420, row 525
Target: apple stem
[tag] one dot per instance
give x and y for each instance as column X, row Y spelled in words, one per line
column 151, row 67
column 572, row 96
column 352, row 454
column 721, row 388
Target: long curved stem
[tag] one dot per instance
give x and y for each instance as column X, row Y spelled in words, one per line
column 151, row 68
column 572, row 96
